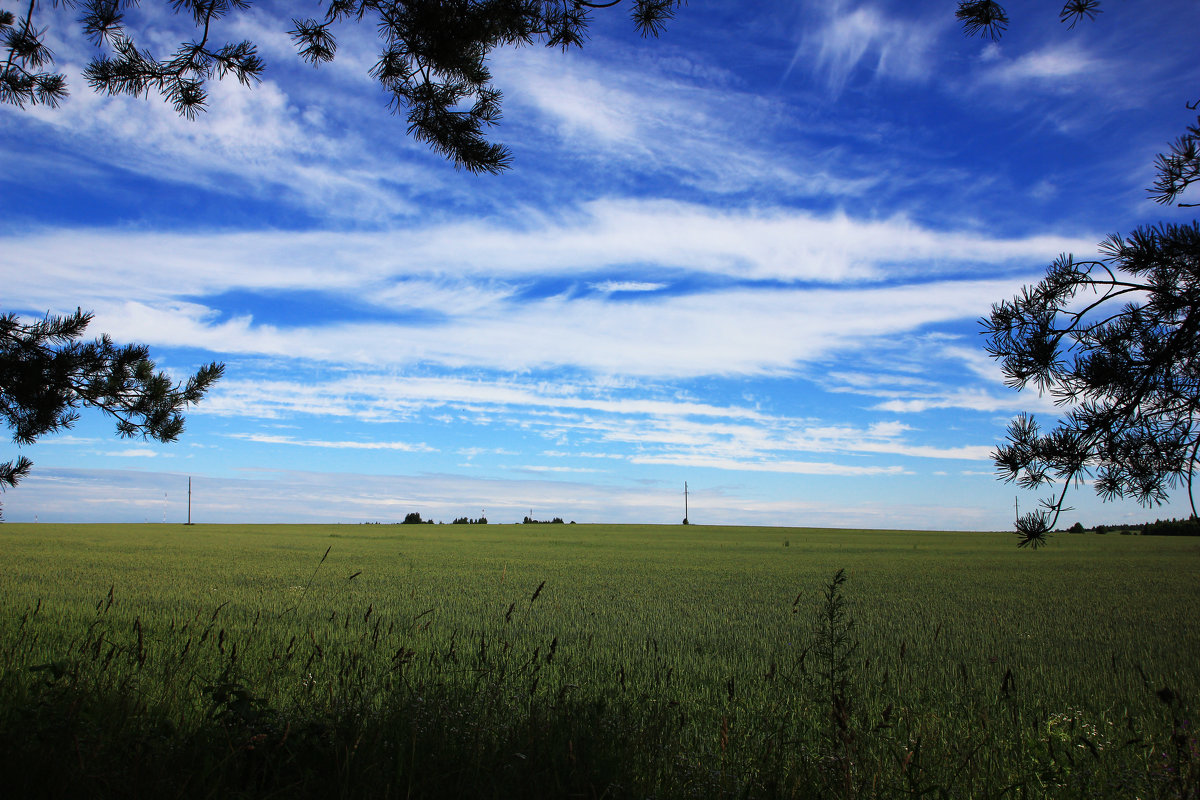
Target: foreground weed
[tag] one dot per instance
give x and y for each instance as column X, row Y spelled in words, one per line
column 834, row 648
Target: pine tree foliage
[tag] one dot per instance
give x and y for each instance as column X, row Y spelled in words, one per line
column 988, row 18
column 1117, row 342
column 47, row 374
column 1114, row 341
column 432, row 62
column 1180, row 167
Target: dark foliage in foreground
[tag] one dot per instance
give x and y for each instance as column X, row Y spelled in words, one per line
column 129, row 713
column 1129, row 374
column 47, row 374
column 1117, row 341
column 432, row 62
column 988, row 17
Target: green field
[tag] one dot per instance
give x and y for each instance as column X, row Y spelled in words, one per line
column 668, row 661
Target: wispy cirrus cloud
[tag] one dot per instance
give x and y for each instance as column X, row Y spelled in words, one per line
column 630, row 428
column 742, row 331
column 283, row 139
column 374, row 396
column 632, row 114
column 865, row 37
column 970, row 399
column 1057, row 67
column 262, row 438
column 607, row 236
column 609, row 287
column 133, row 452
column 471, row 282
column 915, row 376
column 786, row 467
column 1086, row 78
column 250, row 142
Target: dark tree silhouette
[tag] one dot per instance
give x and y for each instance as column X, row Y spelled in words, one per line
column 988, row 18
column 432, row 60
column 47, row 375
column 1115, row 341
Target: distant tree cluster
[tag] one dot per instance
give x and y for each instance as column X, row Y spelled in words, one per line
column 469, row 521
column 532, row 521
column 1184, row 526
column 414, row 518
column 1172, row 527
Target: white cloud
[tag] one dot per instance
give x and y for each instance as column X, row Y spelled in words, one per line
column 583, row 105
column 1080, row 81
column 866, row 38
column 251, row 141
column 261, row 438
column 133, row 452
column 634, row 430
column 973, row 400
column 69, row 440
column 789, row 467
column 374, row 394
column 1054, row 66
column 553, row 468
column 608, row 287
column 721, row 332
column 637, row 115
column 484, row 258
column 917, row 374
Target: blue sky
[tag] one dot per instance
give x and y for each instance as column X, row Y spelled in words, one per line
column 749, row 255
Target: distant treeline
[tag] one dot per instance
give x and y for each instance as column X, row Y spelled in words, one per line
column 414, row 518
column 1185, row 526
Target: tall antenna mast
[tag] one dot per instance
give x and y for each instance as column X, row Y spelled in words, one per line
column 189, row 522
column 685, row 503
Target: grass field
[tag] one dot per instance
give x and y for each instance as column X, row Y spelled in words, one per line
column 549, row 660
